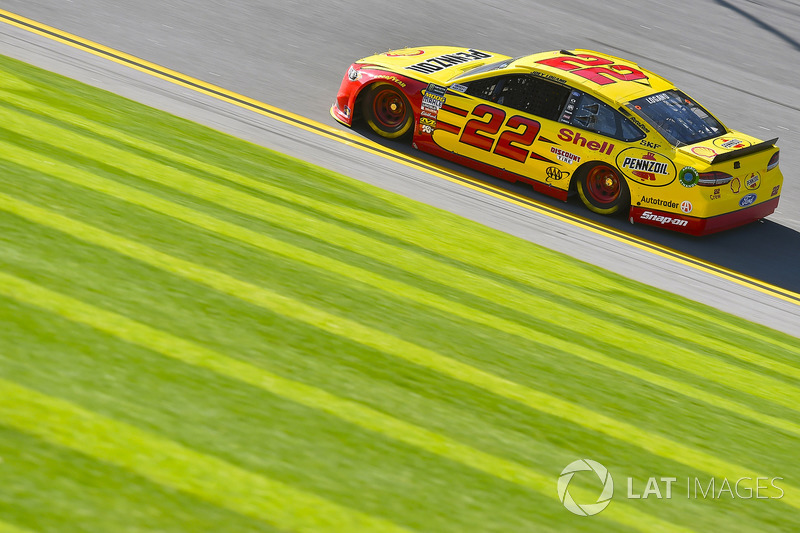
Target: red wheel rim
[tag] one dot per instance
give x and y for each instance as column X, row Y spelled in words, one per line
column 603, row 185
column 389, row 108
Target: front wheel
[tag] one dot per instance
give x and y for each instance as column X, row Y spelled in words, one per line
column 387, row 111
column 603, row 190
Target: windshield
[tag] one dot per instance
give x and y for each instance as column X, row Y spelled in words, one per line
column 677, row 117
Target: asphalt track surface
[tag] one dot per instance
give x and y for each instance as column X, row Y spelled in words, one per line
column 738, row 58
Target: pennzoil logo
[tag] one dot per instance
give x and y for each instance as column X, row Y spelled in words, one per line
column 647, row 167
column 442, row 62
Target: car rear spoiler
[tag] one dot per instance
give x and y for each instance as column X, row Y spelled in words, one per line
column 741, row 152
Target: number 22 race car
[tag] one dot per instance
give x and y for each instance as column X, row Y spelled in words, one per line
column 578, row 121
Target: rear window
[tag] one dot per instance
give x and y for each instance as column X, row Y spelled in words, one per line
column 677, row 117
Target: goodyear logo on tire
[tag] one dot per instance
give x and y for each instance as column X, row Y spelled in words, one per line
column 646, row 167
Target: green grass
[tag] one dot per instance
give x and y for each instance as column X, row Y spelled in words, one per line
column 199, row 334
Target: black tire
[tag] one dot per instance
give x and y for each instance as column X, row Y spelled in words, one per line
column 387, row 111
column 603, row 190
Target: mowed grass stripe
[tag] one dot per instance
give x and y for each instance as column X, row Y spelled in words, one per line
column 675, row 329
column 671, row 354
column 173, row 465
column 283, row 305
column 265, row 242
column 5, row 527
column 353, row 412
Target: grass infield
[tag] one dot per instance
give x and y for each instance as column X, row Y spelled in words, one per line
column 200, row 334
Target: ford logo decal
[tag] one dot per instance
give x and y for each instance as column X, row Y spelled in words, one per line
column 748, row 199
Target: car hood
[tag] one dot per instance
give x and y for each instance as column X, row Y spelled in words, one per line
column 433, row 64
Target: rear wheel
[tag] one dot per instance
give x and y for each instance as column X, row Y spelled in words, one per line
column 387, row 111
column 603, row 190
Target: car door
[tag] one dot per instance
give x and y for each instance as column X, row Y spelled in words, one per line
column 498, row 120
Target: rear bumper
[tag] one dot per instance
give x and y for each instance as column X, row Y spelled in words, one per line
column 702, row 226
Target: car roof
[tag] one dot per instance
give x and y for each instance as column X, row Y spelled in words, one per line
column 573, row 67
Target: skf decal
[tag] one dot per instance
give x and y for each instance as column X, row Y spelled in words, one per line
column 730, row 143
column 564, row 156
column 442, row 62
column 753, row 182
column 556, row 174
column 648, row 144
column 661, row 219
column 566, row 134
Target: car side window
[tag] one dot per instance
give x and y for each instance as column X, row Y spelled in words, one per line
column 533, row 95
column 596, row 116
column 483, row 88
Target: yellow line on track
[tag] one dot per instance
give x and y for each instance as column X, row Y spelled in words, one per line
column 375, row 148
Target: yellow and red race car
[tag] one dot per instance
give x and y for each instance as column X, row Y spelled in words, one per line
column 570, row 121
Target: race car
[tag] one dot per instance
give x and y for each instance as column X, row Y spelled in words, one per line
column 570, row 122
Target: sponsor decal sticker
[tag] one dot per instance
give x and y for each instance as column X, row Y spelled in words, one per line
column 658, row 201
column 704, row 151
column 736, row 185
column 458, row 87
column 433, row 97
column 715, row 195
column 566, row 134
column 646, row 167
column 435, row 64
column 663, row 220
column 775, row 190
column 394, row 79
column 730, row 143
column 353, row 74
column 651, row 145
column 556, row 174
column 564, row 156
column 747, row 199
column 688, row 177
column 686, row 206
column 753, row 182
column 406, row 52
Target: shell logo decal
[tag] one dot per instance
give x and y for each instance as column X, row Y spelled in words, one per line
column 646, row 167
column 405, row 52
